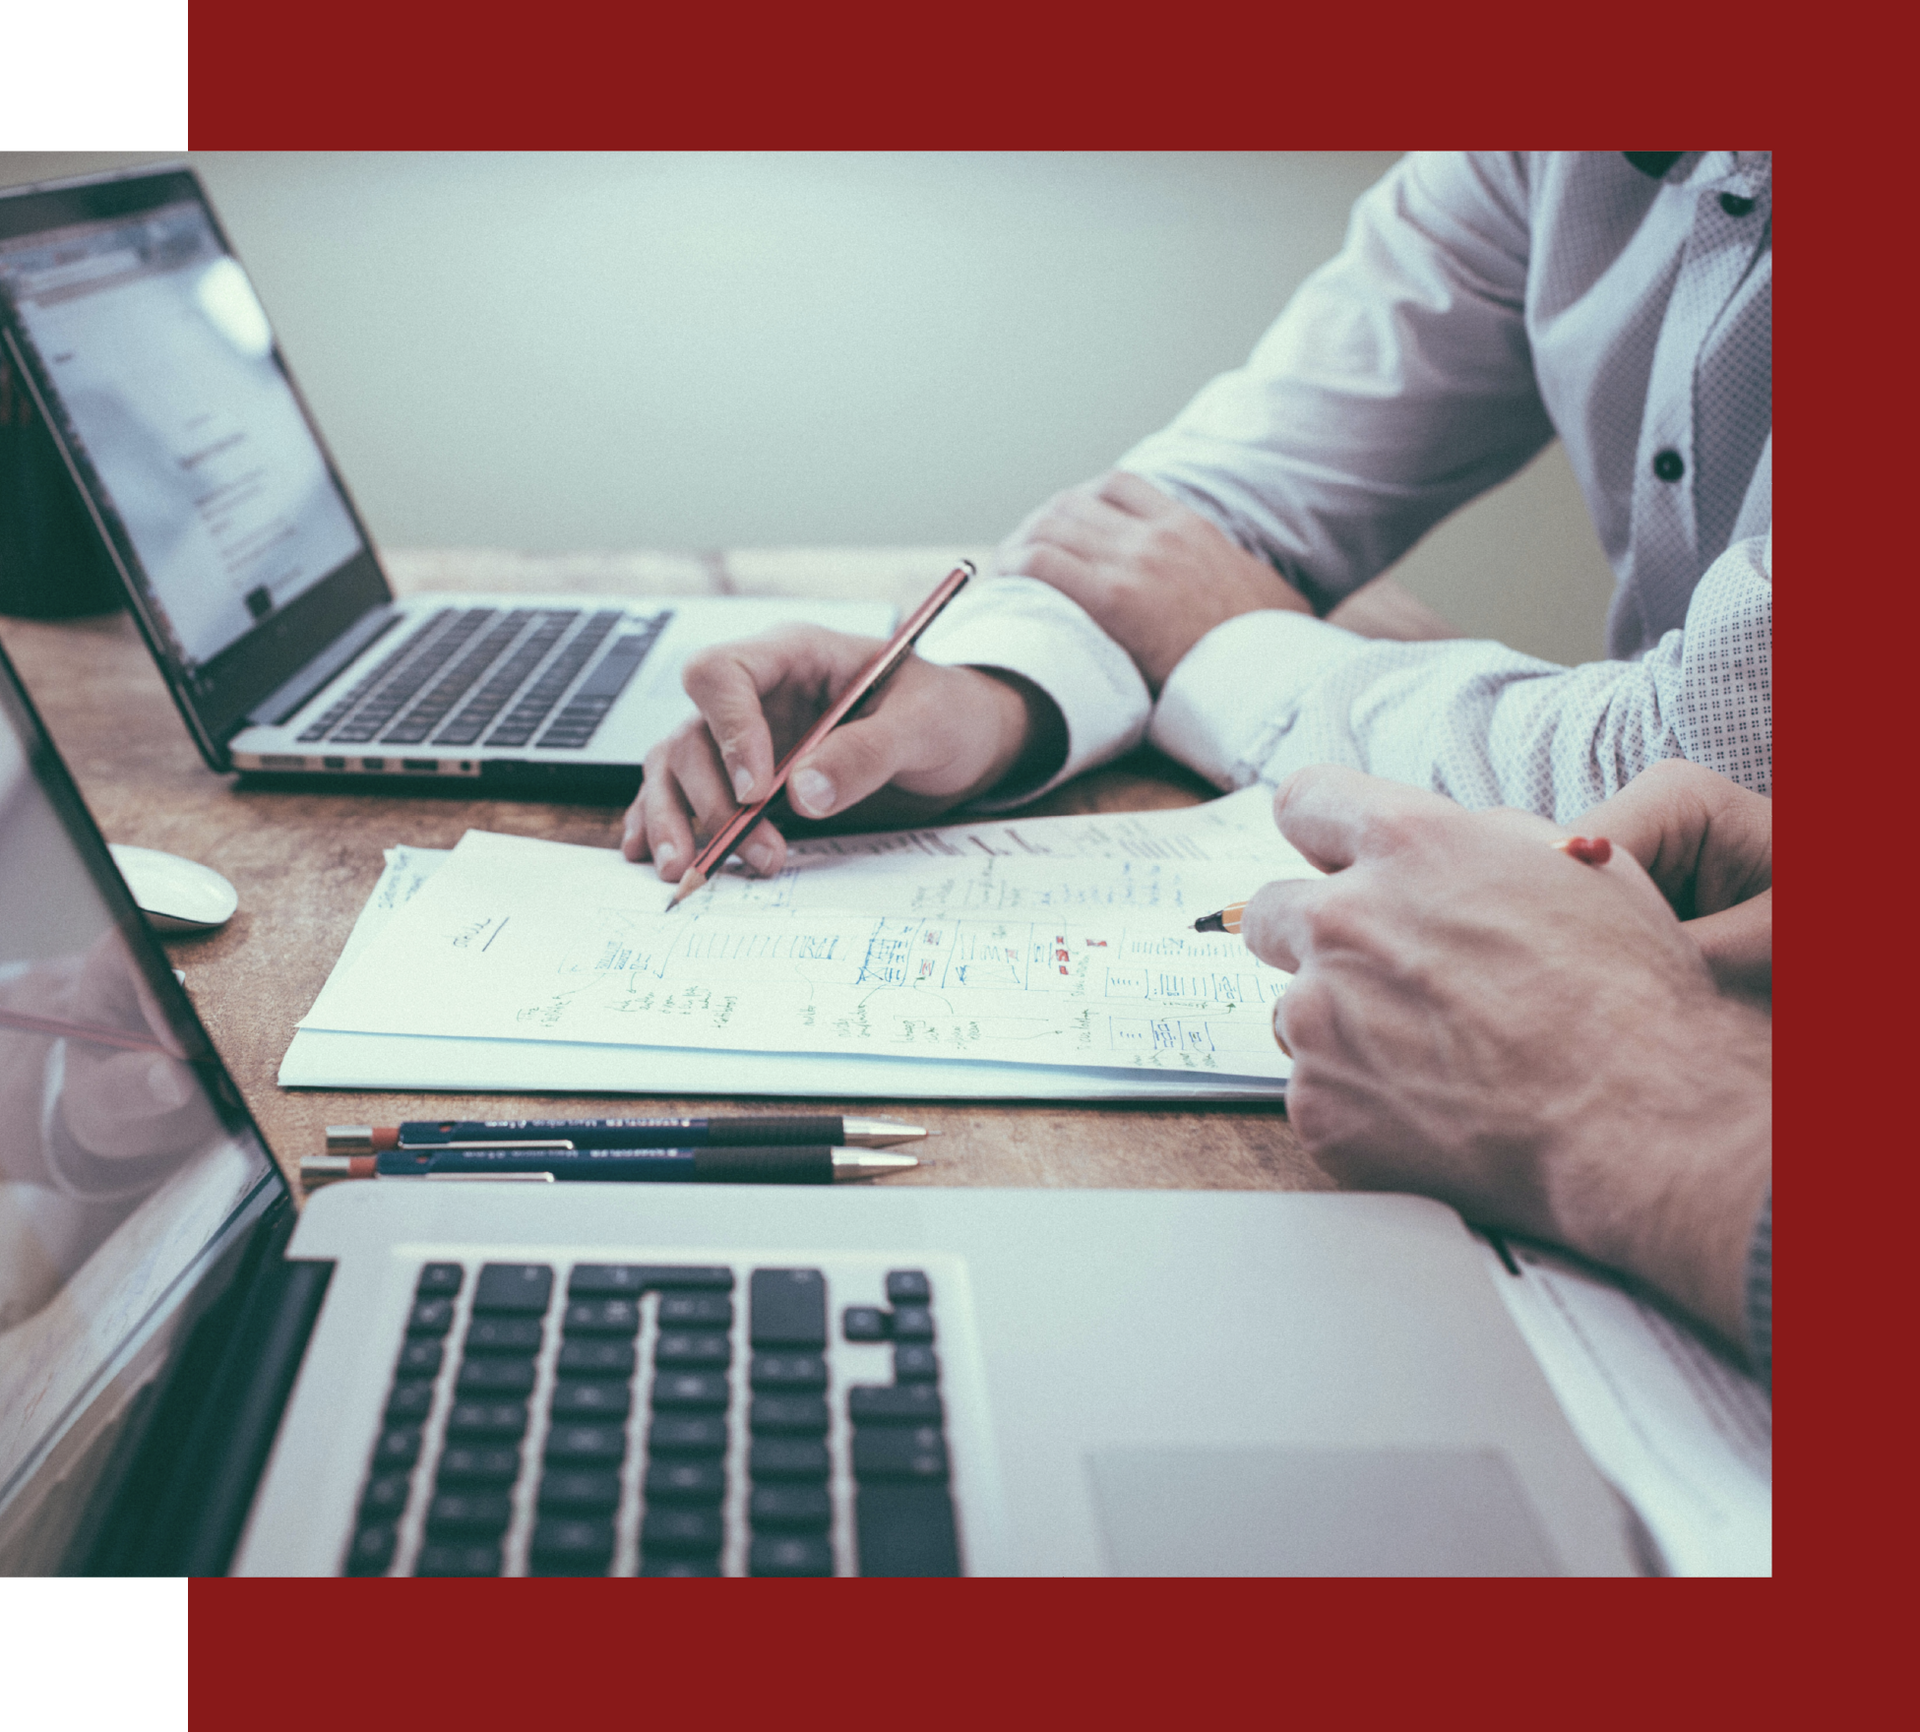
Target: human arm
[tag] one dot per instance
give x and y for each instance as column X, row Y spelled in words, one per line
column 1478, row 1017
column 1269, row 693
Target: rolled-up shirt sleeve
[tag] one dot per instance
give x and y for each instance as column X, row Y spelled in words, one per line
column 1269, row 693
column 1021, row 626
column 1397, row 384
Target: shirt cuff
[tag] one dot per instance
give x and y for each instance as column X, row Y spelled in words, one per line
column 1019, row 625
column 1240, row 685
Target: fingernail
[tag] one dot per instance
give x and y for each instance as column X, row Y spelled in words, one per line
column 760, row 857
column 631, row 827
column 664, row 856
column 813, row 791
column 742, row 782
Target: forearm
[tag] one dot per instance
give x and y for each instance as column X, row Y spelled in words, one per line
column 1665, row 1183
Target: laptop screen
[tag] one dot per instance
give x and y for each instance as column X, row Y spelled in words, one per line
column 157, row 367
column 126, row 1156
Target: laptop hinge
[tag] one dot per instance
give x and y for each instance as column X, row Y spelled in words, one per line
column 286, row 701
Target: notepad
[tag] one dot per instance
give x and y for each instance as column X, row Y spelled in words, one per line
column 1045, row 958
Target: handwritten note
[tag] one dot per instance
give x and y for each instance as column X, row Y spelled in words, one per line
column 1061, row 941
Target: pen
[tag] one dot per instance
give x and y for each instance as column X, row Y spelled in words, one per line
column 566, row 1135
column 1594, row 850
column 792, row 1164
column 869, row 680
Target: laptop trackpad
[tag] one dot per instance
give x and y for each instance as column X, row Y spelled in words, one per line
column 1314, row 1512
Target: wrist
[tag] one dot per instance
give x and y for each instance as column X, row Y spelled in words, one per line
column 1028, row 734
column 1665, row 1182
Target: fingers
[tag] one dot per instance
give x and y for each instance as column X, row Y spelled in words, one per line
column 1277, row 925
column 1738, row 945
column 1132, row 494
column 684, row 799
column 1335, row 815
column 1705, row 840
column 727, row 685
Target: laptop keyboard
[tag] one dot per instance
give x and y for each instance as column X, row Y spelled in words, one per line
column 470, row 670
column 660, row 1420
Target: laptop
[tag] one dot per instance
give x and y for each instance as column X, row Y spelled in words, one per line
column 502, row 1377
column 149, row 358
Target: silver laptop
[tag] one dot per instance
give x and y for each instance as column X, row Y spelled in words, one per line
column 148, row 355
column 504, row 1378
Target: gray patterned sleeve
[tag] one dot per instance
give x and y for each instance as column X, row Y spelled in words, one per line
column 1760, row 1291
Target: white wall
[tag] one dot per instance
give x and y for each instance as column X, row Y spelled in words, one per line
column 554, row 352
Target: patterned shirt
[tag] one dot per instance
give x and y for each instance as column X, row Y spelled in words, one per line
column 1483, row 304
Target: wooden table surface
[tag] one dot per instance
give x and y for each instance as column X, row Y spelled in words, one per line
column 304, row 864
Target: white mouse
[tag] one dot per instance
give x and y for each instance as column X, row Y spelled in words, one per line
column 176, row 895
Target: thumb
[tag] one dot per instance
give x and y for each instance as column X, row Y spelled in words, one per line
column 855, row 760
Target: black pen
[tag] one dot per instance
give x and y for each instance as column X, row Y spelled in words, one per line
column 785, row 1164
column 562, row 1134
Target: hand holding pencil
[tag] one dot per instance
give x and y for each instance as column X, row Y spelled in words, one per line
column 933, row 736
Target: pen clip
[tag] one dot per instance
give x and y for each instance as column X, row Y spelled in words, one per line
column 492, row 1178
column 555, row 1146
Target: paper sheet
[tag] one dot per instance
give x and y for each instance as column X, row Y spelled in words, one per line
column 1685, row 1436
column 1060, row 943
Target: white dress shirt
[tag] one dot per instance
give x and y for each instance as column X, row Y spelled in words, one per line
column 1483, row 304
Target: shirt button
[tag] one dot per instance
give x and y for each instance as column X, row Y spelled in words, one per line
column 1734, row 205
column 1669, row 465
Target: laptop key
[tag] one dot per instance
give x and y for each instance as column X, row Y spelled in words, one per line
column 479, row 1464
column 575, row 1545
column 520, row 1289
column 803, row 1458
column 399, row 1446
column 788, row 1415
column 701, row 1352
column 696, row 1311
column 691, row 1389
column 789, row 1555
column 905, row 1530
column 790, row 1508
column 430, row 1317
column 602, row 1317
column 899, row 1452
column 587, row 1444
column 580, row 1490
column 371, row 1549
column 680, row 1566
column 788, row 1371
column 419, row 1359
column 865, row 1323
column 476, row 1513
column 487, row 1419
column 687, row 1434
column 914, row 1363
column 386, row 1496
column 681, row 1531
column 591, row 1358
column 912, row 1323
column 788, row 1308
column 685, row 1482
column 595, row 1400
column 908, row 1287
column 458, row 1558
column 518, row 1336
column 408, row 1403
column 900, row 1404
column 439, row 1281
column 495, row 1375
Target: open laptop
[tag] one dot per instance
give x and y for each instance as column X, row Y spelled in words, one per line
column 150, row 359
column 504, row 1377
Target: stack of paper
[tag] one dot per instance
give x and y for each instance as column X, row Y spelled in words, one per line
column 1048, row 958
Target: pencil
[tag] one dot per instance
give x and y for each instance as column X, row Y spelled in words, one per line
column 1227, row 920
column 869, row 680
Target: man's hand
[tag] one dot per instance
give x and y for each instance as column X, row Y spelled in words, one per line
column 1708, row 843
column 1155, row 576
column 936, row 736
column 1535, row 1040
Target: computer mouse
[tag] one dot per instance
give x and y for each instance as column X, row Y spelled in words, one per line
column 176, row 895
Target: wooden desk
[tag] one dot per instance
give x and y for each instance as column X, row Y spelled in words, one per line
column 304, row 865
